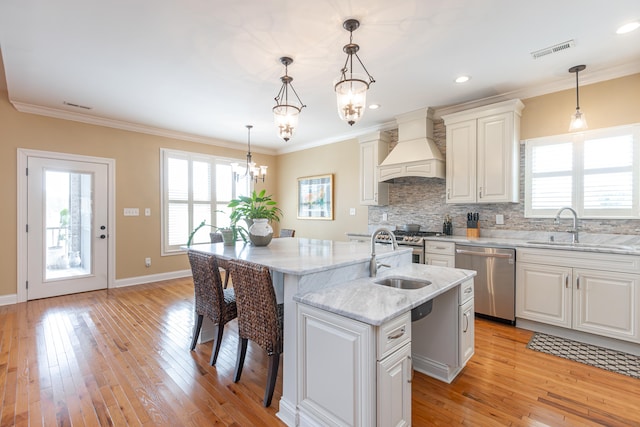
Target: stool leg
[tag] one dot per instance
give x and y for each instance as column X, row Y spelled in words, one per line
column 196, row 331
column 242, row 351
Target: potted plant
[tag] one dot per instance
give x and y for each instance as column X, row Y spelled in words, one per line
column 258, row 207
column 229, row 234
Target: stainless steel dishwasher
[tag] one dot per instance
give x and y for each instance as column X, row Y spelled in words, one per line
column 495, row 284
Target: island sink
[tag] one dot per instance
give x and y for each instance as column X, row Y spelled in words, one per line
column 402, row 283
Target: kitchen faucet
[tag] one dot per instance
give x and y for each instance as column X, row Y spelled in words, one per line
column 373, row 264
column 574, row 230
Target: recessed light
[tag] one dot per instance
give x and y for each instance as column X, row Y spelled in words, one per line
column 627, row 28
column 374, row 106
column 462, row 79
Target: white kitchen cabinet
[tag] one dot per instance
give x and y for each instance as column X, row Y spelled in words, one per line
column 440, row 253
column 374, row 148
column 394, row 388
column 590, row 292
column 467, row 332
column 483, row 154
column 347, row 367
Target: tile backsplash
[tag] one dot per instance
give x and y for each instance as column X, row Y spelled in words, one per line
column 414, row 200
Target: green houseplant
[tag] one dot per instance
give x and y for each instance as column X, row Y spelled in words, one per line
column 257, row 205
column 229, row 234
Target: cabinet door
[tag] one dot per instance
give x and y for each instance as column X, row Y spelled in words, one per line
column 606, row 303
column 440, row 260
column 543, row 293
column 394, row 388
column 498, row 159
column 372, row 192
column 461, row 162
column 467, row 332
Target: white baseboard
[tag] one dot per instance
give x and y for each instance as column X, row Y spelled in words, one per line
column 140, row 280
column 9, row 299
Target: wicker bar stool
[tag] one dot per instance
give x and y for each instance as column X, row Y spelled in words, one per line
column 211, row 300
column 217, row 238
column 287, row 232
column 260, row 318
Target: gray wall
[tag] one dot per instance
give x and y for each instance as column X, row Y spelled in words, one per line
column 422, row 201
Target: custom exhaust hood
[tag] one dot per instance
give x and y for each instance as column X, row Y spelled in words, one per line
column 415, row 154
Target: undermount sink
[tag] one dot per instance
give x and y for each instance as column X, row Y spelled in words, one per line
column 580, row 245
column 402, row 283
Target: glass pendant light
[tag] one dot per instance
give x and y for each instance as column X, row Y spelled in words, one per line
column 578, row 119
column 285, row 113
column 351, row 88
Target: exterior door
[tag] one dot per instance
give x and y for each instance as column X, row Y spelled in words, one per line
column 67, row 234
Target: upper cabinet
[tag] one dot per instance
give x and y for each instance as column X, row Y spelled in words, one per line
column 373, row 150
column 483, row 156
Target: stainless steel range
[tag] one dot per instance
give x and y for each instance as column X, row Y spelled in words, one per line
column 415, row 239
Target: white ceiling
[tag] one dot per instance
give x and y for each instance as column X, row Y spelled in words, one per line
column 203, row 69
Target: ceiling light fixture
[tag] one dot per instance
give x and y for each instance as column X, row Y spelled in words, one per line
column 627, row 28
column 578, row 119
column 284, row 113
column 252, row 171
column 351, row 88
column 463, row 79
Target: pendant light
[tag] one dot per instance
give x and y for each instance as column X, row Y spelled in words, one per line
column 578, row 119
column 252, row 171
column 286, row 114
column 351, row 88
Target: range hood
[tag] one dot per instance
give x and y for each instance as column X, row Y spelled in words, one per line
column 415, row 154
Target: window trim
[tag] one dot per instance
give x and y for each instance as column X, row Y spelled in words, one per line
column 214, row 161
column 577, row 140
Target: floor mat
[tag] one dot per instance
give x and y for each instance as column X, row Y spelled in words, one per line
column 611, row 360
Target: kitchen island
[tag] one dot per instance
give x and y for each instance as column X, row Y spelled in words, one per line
column 298, row 266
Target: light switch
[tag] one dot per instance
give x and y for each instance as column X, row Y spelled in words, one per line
column 499, row 219
column 352, row 211
column 131, row 212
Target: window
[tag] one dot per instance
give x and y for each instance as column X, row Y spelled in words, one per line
column 595, row 172
column 195, row 188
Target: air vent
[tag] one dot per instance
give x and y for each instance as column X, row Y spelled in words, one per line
column 71, row 104
column 553, row 49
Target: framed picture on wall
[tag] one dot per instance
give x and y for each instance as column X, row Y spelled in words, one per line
column 315, row 197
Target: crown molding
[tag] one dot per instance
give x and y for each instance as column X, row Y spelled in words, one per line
column 131, row 127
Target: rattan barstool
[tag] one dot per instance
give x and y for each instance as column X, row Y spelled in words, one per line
column 260, row 318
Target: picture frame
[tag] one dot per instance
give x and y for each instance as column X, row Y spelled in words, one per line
column 315, row 197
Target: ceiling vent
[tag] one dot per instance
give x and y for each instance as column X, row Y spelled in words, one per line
column 553, row 49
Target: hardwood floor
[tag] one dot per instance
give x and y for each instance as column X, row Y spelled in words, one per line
column 121, row 357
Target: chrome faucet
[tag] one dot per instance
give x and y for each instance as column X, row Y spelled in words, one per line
column 574, row 230
column 373, row 264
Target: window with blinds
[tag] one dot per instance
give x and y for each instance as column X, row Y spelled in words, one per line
column 195, row 188
column 595, row 173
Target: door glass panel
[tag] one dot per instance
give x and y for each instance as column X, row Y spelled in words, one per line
column 68, row 224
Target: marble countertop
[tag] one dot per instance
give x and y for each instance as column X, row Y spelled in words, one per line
column 603, row 243
column 365, row 301
column 299, row 256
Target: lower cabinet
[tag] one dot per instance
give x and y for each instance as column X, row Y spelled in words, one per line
column 467, row 332
column 440, row 253
column 589, row 292
column 351, row 373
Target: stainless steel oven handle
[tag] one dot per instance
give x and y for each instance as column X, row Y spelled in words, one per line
column 483, row 254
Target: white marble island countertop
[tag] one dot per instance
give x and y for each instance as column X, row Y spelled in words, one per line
column 374, row 304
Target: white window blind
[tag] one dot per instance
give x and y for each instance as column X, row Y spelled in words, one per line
column 594, row 172
column 194, row 187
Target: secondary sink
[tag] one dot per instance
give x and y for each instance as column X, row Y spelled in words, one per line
column 580, row 245
column 402, row 283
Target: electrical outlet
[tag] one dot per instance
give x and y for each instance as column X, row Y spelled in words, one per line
column 385, row 216
column 147, row 211
column 147, row 262
column 499, row 219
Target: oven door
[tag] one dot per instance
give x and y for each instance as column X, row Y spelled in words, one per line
column 417, row 256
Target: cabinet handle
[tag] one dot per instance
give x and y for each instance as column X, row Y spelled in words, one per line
column 466, row 319
column 397, row 335
column 480, row 192
column 448, row 194
column 578, row 282
column 410, row 369
column 566, row 281
column 468, row 290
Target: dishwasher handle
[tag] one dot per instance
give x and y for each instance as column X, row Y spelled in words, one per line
column 483, row 254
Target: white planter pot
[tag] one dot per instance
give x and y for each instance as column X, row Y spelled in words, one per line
column 260, row 233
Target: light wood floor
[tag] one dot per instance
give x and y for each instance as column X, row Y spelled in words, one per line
column 121, row 357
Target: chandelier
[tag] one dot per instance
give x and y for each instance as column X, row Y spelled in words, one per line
column 286, row 114
column 578, row 119
column 253, row 172
column 351, row 88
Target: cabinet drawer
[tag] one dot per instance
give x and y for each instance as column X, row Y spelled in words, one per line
column 393, row 334
column 443, row 248
column 466, row 292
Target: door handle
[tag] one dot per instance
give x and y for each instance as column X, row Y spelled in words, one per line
column 103, row 236
column 466, row 327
